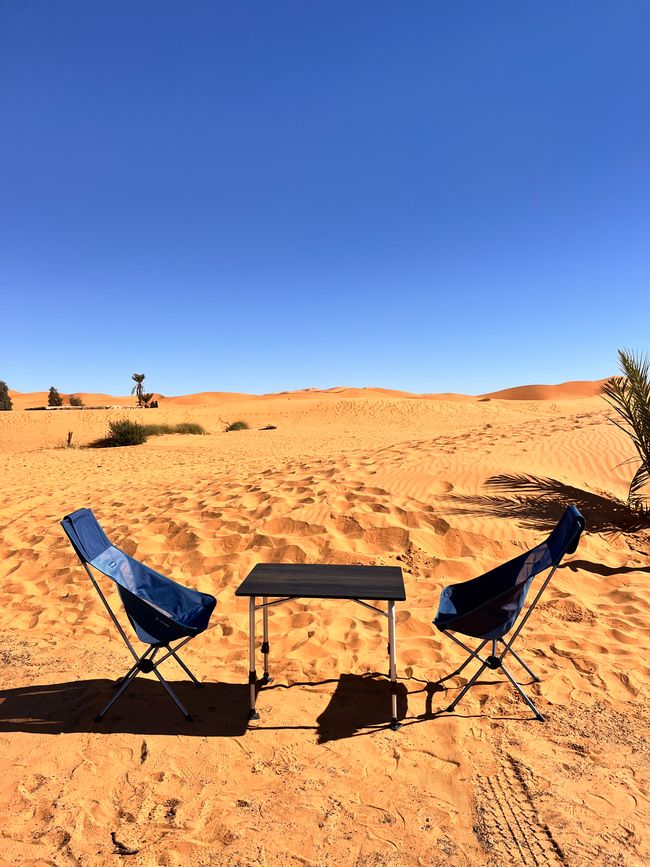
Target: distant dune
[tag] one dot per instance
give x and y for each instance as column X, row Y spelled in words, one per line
column 572, row 390
column 27, row 399
column 203, row 398
column 564, row 391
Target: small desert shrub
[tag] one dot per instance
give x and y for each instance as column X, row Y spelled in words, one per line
column 131, row 433
column 75, row 400
column 122, row 433
column 126, row 433
column 54, row 398
column 238, row 425
column 5, row 400
column 269, row 427
column 190, row 427
column 184, row 427
column 156, row 430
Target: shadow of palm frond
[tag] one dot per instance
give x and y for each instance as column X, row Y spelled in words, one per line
column 539, row 503
column 602, row 568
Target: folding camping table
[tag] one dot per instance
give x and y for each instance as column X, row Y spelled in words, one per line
column 282, row 582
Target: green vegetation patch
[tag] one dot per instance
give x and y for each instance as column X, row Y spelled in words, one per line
column 156, row 430
column 184, row 427
column 189, row 427
column 126, row 433
column 131, row 433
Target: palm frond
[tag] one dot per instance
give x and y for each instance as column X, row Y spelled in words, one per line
column 640, row 480
column 629, row 397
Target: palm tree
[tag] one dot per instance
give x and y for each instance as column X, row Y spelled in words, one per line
column 629, row 396
column 137, row 389
column 5, row 400
column 54, row 398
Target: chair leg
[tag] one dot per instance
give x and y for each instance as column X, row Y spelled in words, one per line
column 121, row 680
column 472, row 654
column 148, row 657
column 468, row 660
column 151, row 651
column 494, row 663
column 467, row 686
column 522, row 693
column 523, row 664
column 127, row 680
column 179, row 704
column 184, row 667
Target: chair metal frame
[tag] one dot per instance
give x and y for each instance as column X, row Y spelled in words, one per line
column 147, row 662
column 494, row 661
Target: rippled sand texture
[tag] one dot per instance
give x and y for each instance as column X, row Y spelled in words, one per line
column 446, row 488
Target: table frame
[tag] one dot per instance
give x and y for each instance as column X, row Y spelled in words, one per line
column 265, row 605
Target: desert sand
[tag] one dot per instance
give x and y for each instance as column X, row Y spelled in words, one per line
column 443, row 486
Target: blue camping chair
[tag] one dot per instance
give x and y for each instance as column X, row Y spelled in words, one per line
column 159, row 610
column 487, row 607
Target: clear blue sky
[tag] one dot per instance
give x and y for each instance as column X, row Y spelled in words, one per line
column 256, row 196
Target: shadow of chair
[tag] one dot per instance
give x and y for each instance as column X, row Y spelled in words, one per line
column 219, row 709
column 61, row 708
column 436, row 687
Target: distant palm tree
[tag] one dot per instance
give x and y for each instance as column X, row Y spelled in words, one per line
column 5, row 400
column 629, row 396
column 54, row 398
column 137, row 389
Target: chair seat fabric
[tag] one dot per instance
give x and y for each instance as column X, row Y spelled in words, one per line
column 487, row 607
column 159, row 609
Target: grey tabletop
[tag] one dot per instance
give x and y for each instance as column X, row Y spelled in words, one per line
column 324, row 581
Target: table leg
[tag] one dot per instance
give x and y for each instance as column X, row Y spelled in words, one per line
column 265, row 642
column 394, row 724
column 252, row 676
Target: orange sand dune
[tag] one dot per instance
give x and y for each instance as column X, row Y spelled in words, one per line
column 203, row 398
column 25, row 400
column 564, row 391
column 443, row 488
